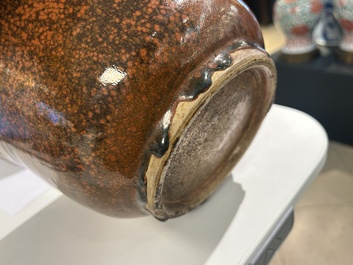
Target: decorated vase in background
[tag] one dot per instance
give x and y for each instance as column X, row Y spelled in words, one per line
column 297, row 20
column 328, row 32
column 344, row 14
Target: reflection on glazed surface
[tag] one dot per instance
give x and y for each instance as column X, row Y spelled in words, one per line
column 84, row 86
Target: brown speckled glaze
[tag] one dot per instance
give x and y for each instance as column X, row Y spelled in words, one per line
column 84, row 86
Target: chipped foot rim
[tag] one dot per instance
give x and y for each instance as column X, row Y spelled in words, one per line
column 210, row 134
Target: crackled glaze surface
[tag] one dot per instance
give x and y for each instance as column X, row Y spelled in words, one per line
column 84, row 86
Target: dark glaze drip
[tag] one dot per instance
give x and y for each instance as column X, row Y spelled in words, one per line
column 222, row 61
column 201, row 83
column 160, row 144
column 142, row 182
column 198, row 84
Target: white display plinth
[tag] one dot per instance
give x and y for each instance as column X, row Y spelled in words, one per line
column 229, row 228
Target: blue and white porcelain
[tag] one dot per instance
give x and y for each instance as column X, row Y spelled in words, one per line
column 328, row 32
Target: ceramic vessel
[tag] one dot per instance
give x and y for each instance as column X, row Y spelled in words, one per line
column 344, row 14
column 297, row 20
column 131, row 107
column 328, row 32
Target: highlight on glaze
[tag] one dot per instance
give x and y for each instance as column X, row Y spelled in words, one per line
column 112, row 76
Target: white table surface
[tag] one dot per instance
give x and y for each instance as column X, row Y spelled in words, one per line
column 229, row 228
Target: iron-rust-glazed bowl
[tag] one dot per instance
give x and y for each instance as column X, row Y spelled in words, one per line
column 131, row 107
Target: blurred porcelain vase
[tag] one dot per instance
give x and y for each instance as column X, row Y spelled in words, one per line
column 344, row 15
column 131, row 107
column 328, row 32
column 297, row 20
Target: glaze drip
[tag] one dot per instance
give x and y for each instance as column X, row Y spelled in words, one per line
column 198, row 84
column 161, row 143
